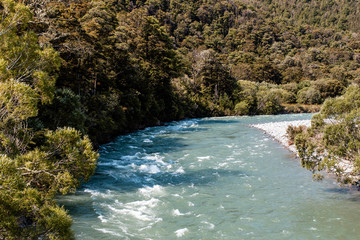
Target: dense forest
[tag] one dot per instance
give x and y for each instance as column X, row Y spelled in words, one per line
column 76, row 73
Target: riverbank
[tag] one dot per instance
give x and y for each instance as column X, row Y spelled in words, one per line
column 277, row 130
column 208, row 167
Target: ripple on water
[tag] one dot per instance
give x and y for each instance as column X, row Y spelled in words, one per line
column 176, row 212
column 181, row 232
column 188, row 178
column 155, row 190
column 200, row 159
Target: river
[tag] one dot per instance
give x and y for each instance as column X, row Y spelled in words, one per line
column 210, row 178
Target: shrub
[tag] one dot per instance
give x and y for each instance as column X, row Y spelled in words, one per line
column 293, row 131
column 309, row 95
column 242, row 108
column 329, row 87
column 269, row 102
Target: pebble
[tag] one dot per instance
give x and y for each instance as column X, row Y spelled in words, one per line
column 277, row 130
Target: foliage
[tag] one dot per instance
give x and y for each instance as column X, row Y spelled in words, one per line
column 65, row 110
column 309, row 95
column 292, row 131
column 61, row 164
column 124, row 65
column 333, row 140
column 138, row 63
column 21, row 58
column 242, row 108
column 18, row 102
column 25, row 212
column 269, row 102
column 31, row 173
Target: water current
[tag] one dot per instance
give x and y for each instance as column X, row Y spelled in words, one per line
column 210, row 178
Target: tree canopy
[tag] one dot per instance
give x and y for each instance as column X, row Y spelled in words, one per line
column 74, row 74
column 333, row 141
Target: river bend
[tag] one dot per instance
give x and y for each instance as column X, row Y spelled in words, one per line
column 211, row 178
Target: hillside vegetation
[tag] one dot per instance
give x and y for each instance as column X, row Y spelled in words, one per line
column 76, row 73
column 130, row 64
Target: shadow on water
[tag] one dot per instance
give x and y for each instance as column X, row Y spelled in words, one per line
column 352, row 192
column 217, row 121
column 132, row 181
column 81, row 202
column 163, row 144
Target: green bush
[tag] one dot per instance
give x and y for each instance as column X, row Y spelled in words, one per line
column 293, row 131
column 309, row 95
column 284, row 95
column 269, row 102
column 329, row 87
column 242, row 108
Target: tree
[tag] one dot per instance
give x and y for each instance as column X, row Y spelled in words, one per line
column 65, row 110
column 32, row 173
column 309, row 95
column 211, row 75
column 333, row 141
column 25, row 212
column 61, row 164
column 18, row 102
column 27, row 76
column 269, row 101
column 152, row 51
column 21, row 58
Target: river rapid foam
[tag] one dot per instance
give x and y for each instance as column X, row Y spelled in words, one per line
column 211, row 178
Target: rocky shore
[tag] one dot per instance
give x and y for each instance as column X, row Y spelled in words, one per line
column 277, row 130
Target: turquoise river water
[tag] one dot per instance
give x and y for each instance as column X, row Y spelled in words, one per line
column 211, row 178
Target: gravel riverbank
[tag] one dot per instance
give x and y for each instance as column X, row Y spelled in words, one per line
column 277, row 130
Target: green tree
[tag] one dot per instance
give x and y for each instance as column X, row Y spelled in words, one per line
column 18, row 102
column 269, row 101
column 30, row 174
column 309, row 95
column 65, row 110
column 25, row 212
column 61, row 164
column 27, row 76
column 333, row 141
column 21, row 58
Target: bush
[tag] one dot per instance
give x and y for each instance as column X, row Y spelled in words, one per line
column 329, row 87
column 293, row 131
column 309, row 95
column 290, row 87
column 269, row 102
column 285, row 96
column 242, row 108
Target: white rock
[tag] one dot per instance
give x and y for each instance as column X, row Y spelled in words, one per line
column 277, row 130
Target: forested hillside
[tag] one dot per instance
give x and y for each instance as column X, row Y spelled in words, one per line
column 129, row 64
column 77, row 72
column 336, row 14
